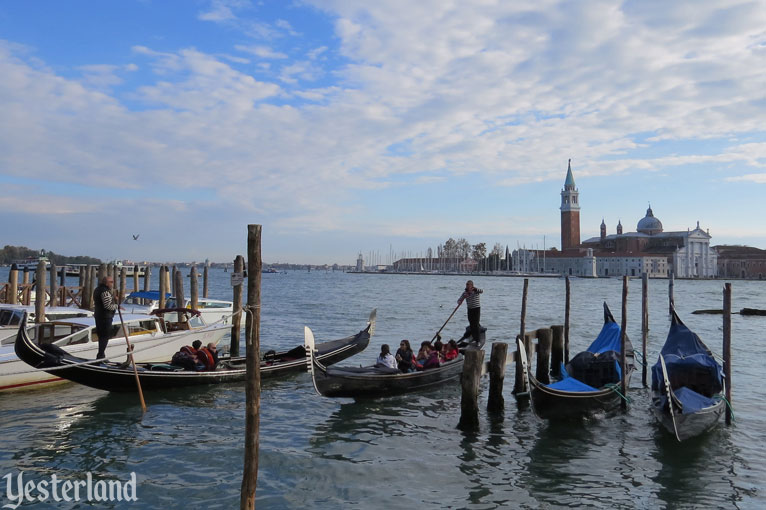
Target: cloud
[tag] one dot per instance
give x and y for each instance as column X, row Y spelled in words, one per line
column 261, row 51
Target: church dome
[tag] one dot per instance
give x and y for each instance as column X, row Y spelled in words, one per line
column 649, row 224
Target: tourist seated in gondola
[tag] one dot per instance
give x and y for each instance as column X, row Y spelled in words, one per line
column 405, row 358
column 187, row 357
column 385, row 359
column 208, row 356
column 423, row 353
column 451, row 351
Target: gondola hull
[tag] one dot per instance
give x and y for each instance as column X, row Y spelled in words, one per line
column 372, row 382
column 687, row 425
column 159, row 376
column 551, row 404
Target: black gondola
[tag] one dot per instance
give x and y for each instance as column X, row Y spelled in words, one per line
column 687, row 375
column 372, row 381
column 159, row 376
column 589, row 383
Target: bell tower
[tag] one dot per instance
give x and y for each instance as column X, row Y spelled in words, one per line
column 570, row 213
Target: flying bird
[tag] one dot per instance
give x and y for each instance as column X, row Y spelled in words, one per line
column 135, row 237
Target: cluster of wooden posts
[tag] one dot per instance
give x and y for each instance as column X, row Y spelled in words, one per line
column 81, row 296
column 552, row 349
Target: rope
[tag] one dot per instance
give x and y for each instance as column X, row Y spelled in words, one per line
column 173, row 337
column 613, row 387
column 640, row 361
column 728, row 404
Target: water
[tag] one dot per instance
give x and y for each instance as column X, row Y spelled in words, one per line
column 405, row 452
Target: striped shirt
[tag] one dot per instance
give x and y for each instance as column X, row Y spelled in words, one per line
column 472, row 299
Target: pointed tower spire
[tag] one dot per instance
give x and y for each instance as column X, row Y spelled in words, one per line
column 570, row 212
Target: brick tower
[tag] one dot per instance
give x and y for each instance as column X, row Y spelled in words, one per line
column 570, row 213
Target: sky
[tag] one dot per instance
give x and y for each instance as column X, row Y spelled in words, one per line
column 383, row 127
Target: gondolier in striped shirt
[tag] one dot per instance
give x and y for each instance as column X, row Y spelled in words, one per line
column 471, row 295
column 103, row 313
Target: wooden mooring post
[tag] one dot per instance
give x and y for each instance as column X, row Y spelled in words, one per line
column 62, row 286
column 253, row 381
column 194, row 288
column 25, row 292
column 13, row 285
column 135, row 278
column 566, row 321
column 497, row 361
column 557, row 349
column 148, row 279
column 179, row 294
column 469, row 381
column 54, row 285
column 623, row 342
column 40, row 293
column 544, row 342
column 163, row 285
column 123, row 283
column 644, row 324
column 205, row 280
column 727, row 348
column 236, row 318
column 518, row 384
column 671, row 299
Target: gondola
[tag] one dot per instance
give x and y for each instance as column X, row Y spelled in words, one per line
column 119, row 377
column 589, row 383
column 687, row 375
column 372, row 381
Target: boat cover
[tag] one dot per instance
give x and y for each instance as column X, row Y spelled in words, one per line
column 569, row 383
column 148, row 294
column 691, row 401
column 689, row 363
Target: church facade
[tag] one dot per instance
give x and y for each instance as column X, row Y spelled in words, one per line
column 647, row 250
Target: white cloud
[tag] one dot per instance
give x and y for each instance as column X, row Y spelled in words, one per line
column 261, row 51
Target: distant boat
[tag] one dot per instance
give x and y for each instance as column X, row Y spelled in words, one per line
column 270, row 270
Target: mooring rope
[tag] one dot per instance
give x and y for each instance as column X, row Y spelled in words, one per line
column 728, row 404
column 613, row 387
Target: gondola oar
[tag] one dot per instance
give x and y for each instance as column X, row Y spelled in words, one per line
column 445, row 322
column 132, row 361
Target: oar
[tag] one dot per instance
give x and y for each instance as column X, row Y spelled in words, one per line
column 132, row 361
column 445, row 322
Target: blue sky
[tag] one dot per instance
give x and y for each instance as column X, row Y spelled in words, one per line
column 373, row 126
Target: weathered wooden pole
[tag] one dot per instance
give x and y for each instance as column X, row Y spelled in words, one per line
column 93, row 283
column 557, row 350
column 25, row 293
column 135, row 278
column 671, row 299
column 123, row 283
column 644, row 323
column 63, row 286
column 469, row 380
column 102, row 271
column 623, row 342
column 518, row 383
column 253, row 384
column 194, row 288
column 236, row 319
column 495, row 400
column 84, row 283
column 13, row 285
column 179, row 294
column 40, row 293
column 148, row 278
column 81, row 282
column 205, row 280
column 544, row 341
column 727, row 347
column 566, row 320
column 163, row 285
column 54, row 285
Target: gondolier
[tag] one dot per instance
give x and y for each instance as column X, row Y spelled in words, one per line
column 105, row 306
column 471, row 296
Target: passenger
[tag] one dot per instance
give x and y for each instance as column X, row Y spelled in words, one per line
column 433, row 360
column 208, row 356
column 405, row 357
column 423, row 354
column 450, row 350
column 187, row 357
column 439, row 348
column 385, row 359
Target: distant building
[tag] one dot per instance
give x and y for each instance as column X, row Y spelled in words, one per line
column 741, row 262
column 649, row 250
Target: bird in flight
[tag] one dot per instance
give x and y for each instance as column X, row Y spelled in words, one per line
column 135, row 237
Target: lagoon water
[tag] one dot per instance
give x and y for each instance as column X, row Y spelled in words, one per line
column 406, row 452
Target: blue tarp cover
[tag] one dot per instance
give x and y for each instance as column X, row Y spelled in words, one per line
column 148, row 294
column 692, row 401
column 689, row 362
column 607, row 340
column 569, row 383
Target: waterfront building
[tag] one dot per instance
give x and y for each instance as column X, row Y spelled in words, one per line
column 741, row 262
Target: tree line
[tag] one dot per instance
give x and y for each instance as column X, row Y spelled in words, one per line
column 10, row 254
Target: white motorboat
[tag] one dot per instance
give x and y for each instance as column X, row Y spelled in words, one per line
column 12, row 315
column 213, row 310
column 153, row 339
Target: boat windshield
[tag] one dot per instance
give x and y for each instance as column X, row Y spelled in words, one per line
column 10, row 317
